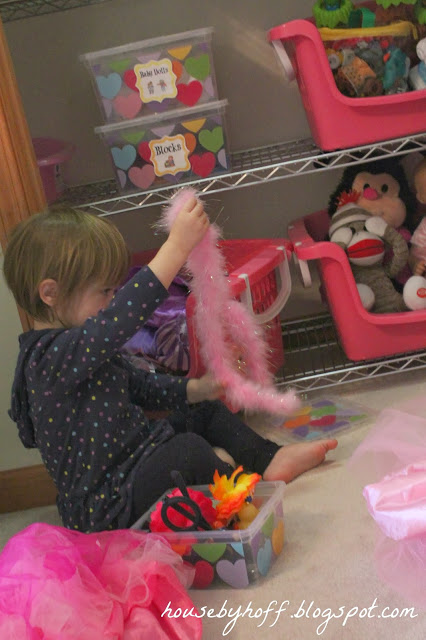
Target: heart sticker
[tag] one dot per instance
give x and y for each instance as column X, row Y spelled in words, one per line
column 194, row 125
column 125, row 157
column 264, row 558
column 190, row 93
column 107, row 104
column 134, row 137
column 199, row 67
column 211, row 140
column 109, row 86
column 120, row 65
column 223, row 158
column 142, row 177
column 210, row 551
column 268, row 526
column 180, row 52
column 177, row 68
column 190, row 141
column 208, row 86
column 233, row 574
column 129, row 78
column 278, row 538
column 204, row 574
column 202, row 165
column 163, row 131
column 144, row 151
column 127, row 106
column 122, row 178
column 147, row 57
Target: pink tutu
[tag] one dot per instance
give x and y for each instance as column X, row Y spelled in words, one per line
column 392, row 459
column 114, row 585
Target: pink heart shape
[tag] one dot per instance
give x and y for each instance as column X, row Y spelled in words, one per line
column 204, row 574
column 142, row 177
column 128, row 106
column 144, row 151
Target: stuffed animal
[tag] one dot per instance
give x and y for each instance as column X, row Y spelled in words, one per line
column 381, row 189
column 364, row 237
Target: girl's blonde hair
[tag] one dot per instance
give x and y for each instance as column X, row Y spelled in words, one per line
column 72, row 247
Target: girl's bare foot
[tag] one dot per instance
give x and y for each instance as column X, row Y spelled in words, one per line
column 292, row 460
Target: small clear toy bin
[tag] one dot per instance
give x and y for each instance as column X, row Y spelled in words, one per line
column 168, row 148
column 153, row 76
column 338, row 121
column 259, row 275
column 237, row 557
column 363, row 335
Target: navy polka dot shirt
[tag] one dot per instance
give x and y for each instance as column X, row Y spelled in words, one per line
column 78, row 400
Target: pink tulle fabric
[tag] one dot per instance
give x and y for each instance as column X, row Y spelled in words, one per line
column 221, row 321
column 392, row 458
column 114, row 585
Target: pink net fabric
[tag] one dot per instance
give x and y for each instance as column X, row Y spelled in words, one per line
column 56, row 583
column 392, row 460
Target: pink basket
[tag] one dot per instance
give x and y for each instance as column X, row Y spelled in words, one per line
column 52, row 158
column 259, row 276
column 337, row 121
column 363, row 335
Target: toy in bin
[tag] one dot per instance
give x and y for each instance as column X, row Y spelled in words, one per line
column 338, row 121
column 153, row 76
column 231, row 531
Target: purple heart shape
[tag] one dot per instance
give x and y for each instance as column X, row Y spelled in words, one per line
column 158, row 107
column 233, row 574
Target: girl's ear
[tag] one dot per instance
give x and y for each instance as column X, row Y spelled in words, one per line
column 48, row 292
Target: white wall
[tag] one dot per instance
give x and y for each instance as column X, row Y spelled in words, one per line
column 59, row 102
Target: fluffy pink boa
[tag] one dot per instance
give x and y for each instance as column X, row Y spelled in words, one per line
column 218, row 317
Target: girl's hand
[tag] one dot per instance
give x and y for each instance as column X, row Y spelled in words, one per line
column 204, row 388
column 190, row 226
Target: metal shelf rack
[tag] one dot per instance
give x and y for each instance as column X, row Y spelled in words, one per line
column 314, row 358
column 249, row 167
column 18, row 9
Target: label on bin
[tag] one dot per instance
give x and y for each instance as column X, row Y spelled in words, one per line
column 169, row 155
column 155, row 80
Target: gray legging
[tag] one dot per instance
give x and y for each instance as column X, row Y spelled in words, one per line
column 190, row 451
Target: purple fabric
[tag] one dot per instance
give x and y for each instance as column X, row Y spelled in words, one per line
column 164, row 337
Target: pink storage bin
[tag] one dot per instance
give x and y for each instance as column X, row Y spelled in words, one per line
column 363, row 335
column 52, row 158
column 337, row 121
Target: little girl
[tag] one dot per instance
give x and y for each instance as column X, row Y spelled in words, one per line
column 79, row 401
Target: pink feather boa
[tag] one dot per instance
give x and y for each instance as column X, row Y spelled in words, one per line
column 218, row 317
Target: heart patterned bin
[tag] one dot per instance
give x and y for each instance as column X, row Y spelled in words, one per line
column 232, row 558
column 169, row 148
column 153, row 76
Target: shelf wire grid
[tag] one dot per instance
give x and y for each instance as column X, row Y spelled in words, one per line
column 315, row 360
column 18, row 9
column 249, row 167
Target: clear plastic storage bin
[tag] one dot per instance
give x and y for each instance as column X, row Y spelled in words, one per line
column 155, row 75
column 169, row 148
column 233, row 558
